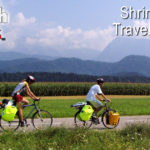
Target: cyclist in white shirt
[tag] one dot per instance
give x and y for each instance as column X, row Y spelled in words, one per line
column 93, row 96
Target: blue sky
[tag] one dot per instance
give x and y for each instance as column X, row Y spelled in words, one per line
column 63, row 24
column 85, row 14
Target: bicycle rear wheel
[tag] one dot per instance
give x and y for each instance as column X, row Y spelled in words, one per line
column 42, row 119
column 10, row 125
column 105, row 122
column 80, row 123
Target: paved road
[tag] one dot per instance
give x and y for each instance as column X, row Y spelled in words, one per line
column 69, row 122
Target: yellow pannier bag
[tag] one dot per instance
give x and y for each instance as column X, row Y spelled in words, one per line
column 9, row 113
column 86, row 113
column 114, row 118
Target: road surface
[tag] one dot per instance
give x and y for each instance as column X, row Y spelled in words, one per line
column 69, row 122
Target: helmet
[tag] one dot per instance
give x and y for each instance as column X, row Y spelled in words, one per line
column 30, row 79
column 100, row 80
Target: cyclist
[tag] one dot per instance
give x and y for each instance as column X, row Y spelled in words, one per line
column 16, row 95
column 93, row 96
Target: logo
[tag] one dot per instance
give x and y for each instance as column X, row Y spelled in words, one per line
column 3, row 19
column 2, row 38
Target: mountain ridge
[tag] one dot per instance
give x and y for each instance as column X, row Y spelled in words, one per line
column 133, row 63
column 122, row 47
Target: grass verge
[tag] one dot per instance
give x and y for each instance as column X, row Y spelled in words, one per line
column 125, row 106
column 60, row 107
column 130, row 138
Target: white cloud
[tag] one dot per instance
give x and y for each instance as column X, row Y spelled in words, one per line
column 21, row 21
column 67, row 38
column 15, row 31
column 57, row 37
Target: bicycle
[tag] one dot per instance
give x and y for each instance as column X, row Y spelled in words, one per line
column 41, row 119
column 88, row 124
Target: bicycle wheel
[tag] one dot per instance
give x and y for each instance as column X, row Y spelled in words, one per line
column 42, row 119
column 104, row 121
column 80, row 123
column 10, row 125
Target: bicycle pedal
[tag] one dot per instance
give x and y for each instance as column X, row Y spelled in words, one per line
column 27, row 125
column 95, row 121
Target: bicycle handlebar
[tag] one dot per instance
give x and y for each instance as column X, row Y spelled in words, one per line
column 106, row 101
column 37, row 99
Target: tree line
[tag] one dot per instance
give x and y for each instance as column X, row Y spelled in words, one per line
column 70, row 77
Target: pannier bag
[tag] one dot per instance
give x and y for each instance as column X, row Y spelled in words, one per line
column 9, row 113
column 86, row 113
column 113, row 118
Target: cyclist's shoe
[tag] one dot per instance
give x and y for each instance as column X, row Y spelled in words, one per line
column 95, row 120
column 22, row 123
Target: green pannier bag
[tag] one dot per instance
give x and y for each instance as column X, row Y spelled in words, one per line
column 9, row 113
column 86, row 113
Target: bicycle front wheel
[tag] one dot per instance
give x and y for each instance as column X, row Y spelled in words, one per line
column 81, row 123
column 10, row 125
column 106, row 122
column 42, row 119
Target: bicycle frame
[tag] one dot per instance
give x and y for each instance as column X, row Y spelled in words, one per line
column 105, row 108
column 34, row 108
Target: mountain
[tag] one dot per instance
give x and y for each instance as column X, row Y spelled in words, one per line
column 84, row 53
column 114, row 52
column 137, row 64
column 17, row 55
column 48, row 54
column 122, row 47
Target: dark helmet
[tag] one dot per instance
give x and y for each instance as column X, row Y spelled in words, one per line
column 30, row 79
column 100, row 80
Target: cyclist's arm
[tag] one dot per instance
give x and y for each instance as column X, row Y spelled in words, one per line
column 98, row 97
column 103, row 95
column 29, row 93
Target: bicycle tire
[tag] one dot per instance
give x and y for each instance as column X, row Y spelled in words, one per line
column 80, row 123
column 10, row 125
column 104, row 120
column 39, row 122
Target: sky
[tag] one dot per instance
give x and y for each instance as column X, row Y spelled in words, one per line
column 62, row 24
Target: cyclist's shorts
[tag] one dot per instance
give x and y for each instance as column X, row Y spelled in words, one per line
column 18, row 98
column 95, row 103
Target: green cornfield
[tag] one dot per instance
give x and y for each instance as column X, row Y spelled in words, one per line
column 70, row 89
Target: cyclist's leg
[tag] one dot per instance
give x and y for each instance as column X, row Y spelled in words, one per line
column 97, row 105
column 19, row 99
column 25, row 101
column 20, row 111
